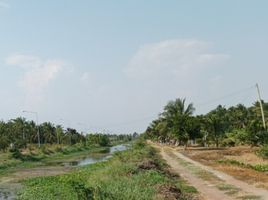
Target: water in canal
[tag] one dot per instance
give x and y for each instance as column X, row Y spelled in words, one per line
column 93, row 159
column 8, row 191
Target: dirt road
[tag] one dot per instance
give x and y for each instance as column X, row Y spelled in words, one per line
column 211, row 184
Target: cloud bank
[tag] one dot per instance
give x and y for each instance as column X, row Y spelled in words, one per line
column 37, row 74
column 172, row 59
column 156, row 73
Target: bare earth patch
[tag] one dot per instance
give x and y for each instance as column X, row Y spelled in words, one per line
column 245, row 155
column 211, row 183
column 34, row 172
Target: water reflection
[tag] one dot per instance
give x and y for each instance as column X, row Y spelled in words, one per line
column 8, row 191
column 93, row 159
column 5, row 194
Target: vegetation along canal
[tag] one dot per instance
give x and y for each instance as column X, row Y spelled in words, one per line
column 9, row 185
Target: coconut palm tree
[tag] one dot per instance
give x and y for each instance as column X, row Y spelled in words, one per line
column 176, row 113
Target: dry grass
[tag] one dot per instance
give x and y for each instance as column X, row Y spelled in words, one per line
column 248, row 158
column 242, row 154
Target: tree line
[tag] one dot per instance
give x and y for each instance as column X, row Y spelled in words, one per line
column 236, row 125
column 18, row 133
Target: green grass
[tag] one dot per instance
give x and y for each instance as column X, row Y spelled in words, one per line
column 263, row 152
column 137, row 173
column 228, row 189
column 250, row 197
column 259, row 167
column 199, row 172
column 184, row 186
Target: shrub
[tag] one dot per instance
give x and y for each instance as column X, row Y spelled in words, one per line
column 200, row 141
column 228, row 142
column 15, row 153
column 263, row 152
column 4, row 143
column 20, row 144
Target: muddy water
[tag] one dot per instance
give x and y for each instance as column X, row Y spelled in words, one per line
column 94, row 159
column 8, row 191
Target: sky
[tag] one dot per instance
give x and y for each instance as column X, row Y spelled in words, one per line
column 111, row 66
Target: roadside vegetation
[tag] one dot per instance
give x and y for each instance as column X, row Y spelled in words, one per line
column 221, row 127
column 19, row 148
column 260, row 168
column 232, row 140
column 137, row 173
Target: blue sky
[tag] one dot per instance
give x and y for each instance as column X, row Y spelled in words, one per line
column 114, row 64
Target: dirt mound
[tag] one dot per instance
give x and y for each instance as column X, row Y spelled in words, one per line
column 148, row 165
column 170, row 192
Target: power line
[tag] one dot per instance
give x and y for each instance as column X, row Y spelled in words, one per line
column 128, row 122
column 236, row 93
column 107, row 126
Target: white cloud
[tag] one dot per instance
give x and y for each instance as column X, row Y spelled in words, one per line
column 24, row 61
column 173, row 69
column 172, row 59
column 37, row 74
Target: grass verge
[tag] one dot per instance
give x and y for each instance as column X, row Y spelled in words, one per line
column 137, row 173
column 259, row 167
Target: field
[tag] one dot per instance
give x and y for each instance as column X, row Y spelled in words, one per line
column 241, row 162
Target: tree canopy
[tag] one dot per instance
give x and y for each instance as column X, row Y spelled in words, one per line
column 221, row 126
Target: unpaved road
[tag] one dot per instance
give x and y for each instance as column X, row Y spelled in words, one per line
column 211, row 184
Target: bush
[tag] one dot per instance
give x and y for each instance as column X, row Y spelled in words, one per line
column 20, row 144
column 98, row 139
column 263, row 152
column 200, row 141
column 228, row 142
column 15, row 153
column 45, row 150
column 4, row 144
column 59, row 149
column 240, row 136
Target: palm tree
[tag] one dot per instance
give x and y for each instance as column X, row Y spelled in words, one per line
column 176, row 114
column 217, row 123
column 48, row 132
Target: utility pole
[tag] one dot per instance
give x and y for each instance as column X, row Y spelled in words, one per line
column 262, row 112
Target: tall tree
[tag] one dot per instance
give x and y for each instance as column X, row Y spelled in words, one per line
column 177, row 113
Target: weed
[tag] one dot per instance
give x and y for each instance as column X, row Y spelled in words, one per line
column 137, row 173
column 259, row 167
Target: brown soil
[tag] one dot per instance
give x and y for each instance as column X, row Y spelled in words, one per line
column 245, row 155
column 219, row 185
column 169, row 192
column 147, row 165
column 34, row 172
